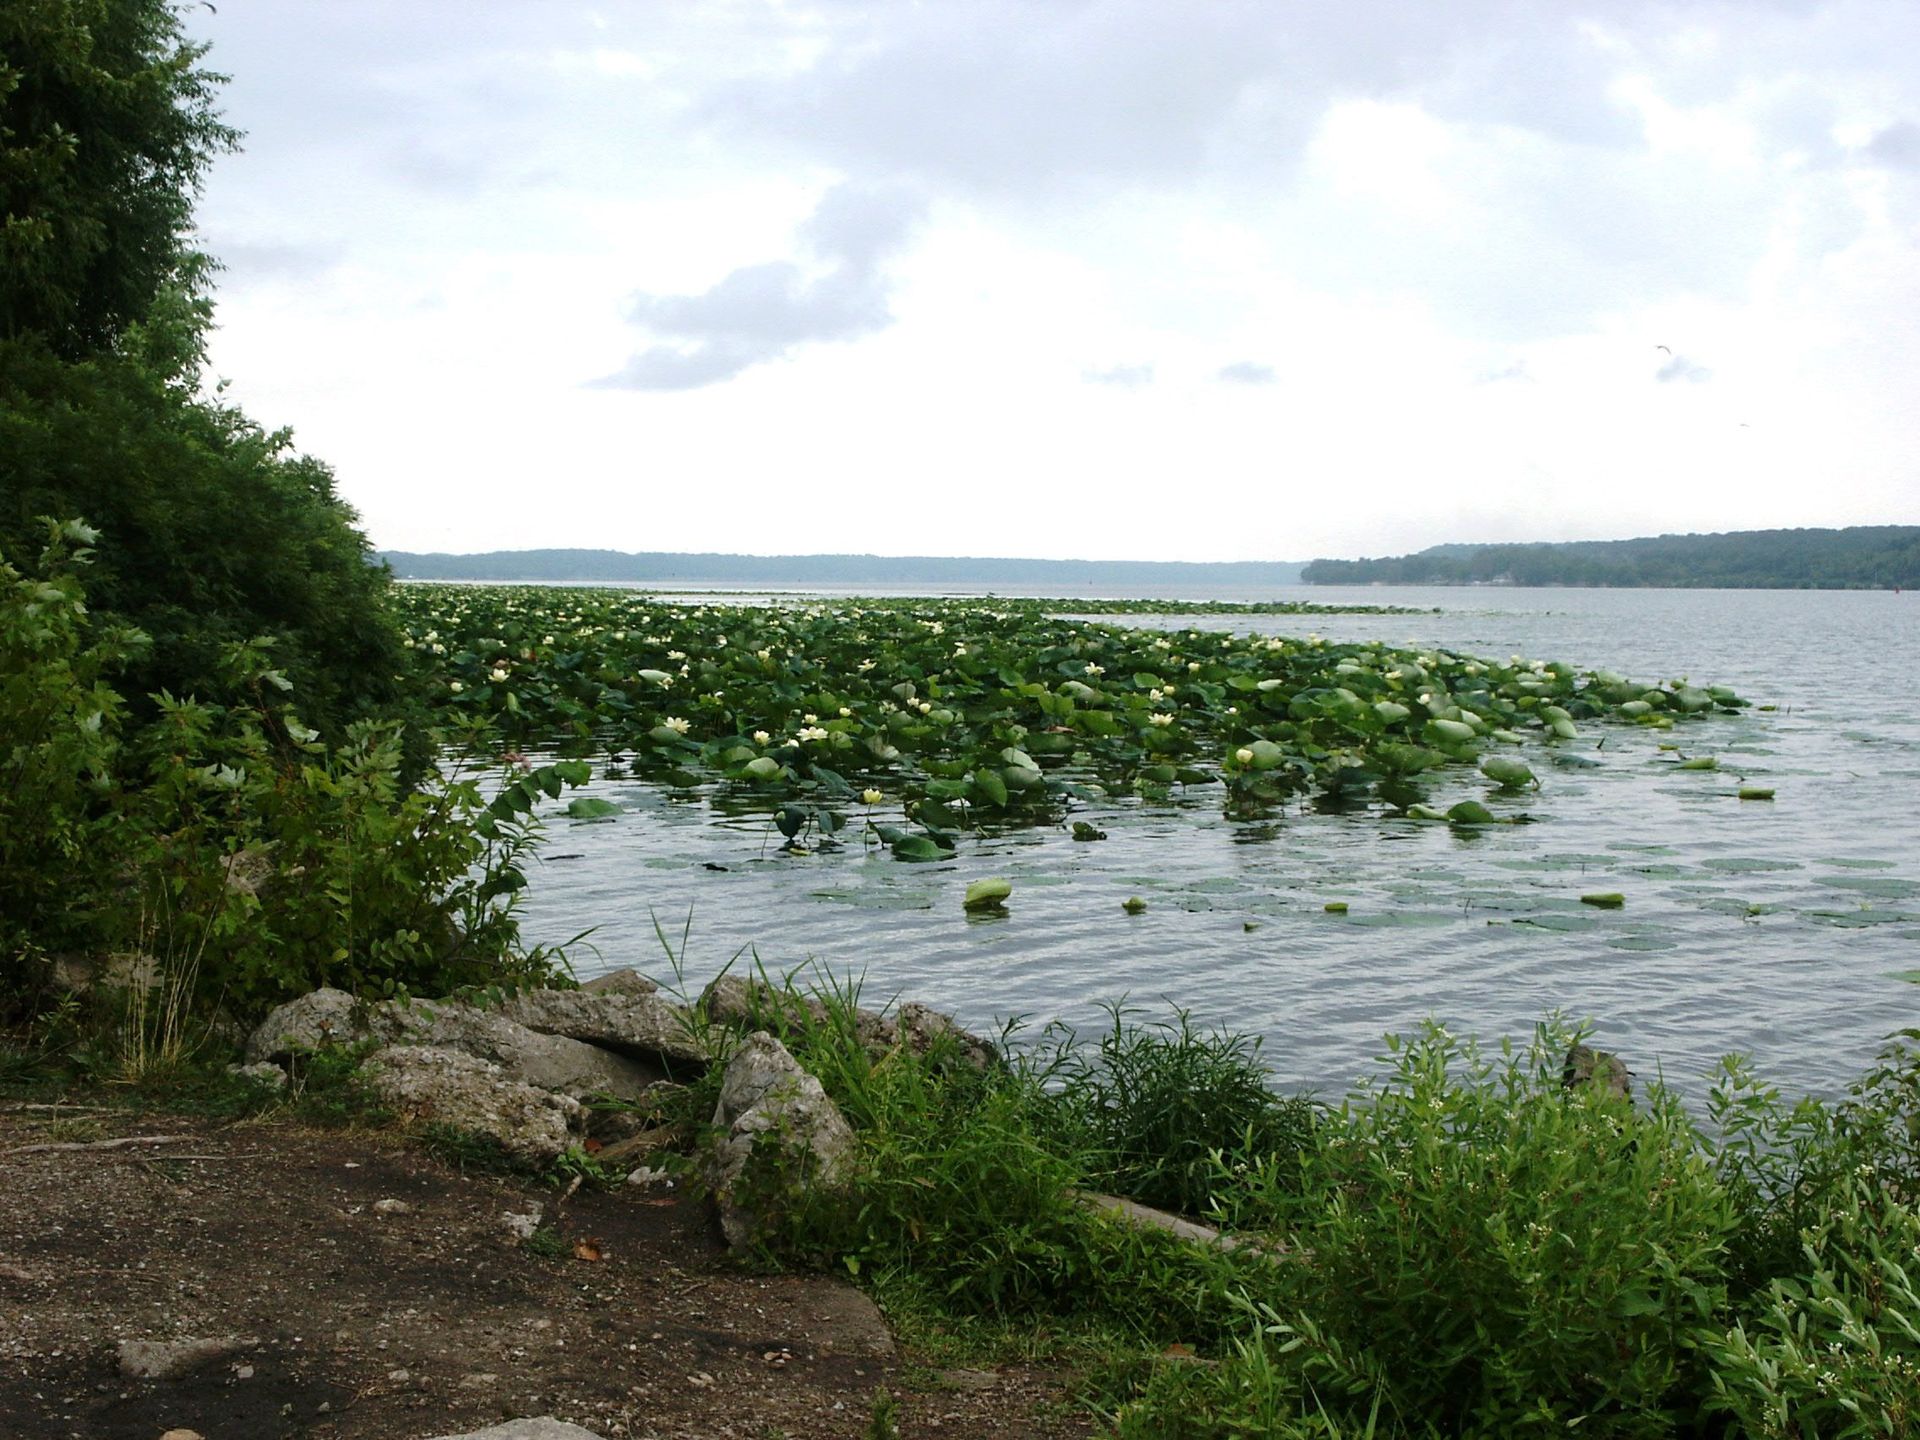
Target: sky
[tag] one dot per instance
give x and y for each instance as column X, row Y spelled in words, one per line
column 1111, row 279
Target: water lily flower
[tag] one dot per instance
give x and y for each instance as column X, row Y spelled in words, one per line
column 438, row 648
column 871, row 797
column 761, row 737
column 1243, row 755
column 864, row 666
column 813, row 732
column 764, row 654
column 1093, row 669
column 810, row 719
column 676, row 654
column 1156, row 694
column 720, row 642
column 1193, row 667
column 497, row 674
column 677, row 725
column 1159, row 718
column 926, row 707
column 845, row 713
column 455, row 686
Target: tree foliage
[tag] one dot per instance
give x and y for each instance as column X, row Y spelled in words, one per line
column 107, row 126
column 1863, row 557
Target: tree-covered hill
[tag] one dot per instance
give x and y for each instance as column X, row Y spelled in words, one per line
column 1863, row 557
column 670, row 568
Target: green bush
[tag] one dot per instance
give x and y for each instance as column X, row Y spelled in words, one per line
column 1835, row 1351
column 1500, row 1254
column 1168, row 1114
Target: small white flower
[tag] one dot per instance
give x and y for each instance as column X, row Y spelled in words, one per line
column 1093, row 669
column 926, row 707
column 1243, row 755
column 871, row 797
column 438, row 648
column 864, row 666
column 810, row 719
column 813, row 732
column 845, row 713
column 720, row 642
column 761, row 737
column 677, row 725
column 1193, row 667
column 497, row 674
column 764, row 654
column 676, row 654
column 1156, row 694
column 455, row 686
column 1158, row 718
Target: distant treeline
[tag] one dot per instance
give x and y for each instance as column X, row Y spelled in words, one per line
column 751, row 570
column 1864, row 557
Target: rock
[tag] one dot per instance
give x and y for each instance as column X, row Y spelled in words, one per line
column 1135, row 1216
column 620, row 982
column 452, row 1088
column 392, row 1207
column 181, row 1434
column 543, row 1427
column 322, row 1020
column 1597, row 1069
column 170, row 1359
column 845, row 1321
column 646, row 1177
column 782, row 1136
column 522, row 1223
column 750, row 1004
column 639, row 1024
column 264, row 1074
column 547, row 1061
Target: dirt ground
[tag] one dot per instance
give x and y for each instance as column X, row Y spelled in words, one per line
column 364, row 1291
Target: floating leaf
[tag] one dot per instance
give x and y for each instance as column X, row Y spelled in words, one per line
column 591, row 807
column 988, row 894
column 1604, row 899
column 1133, row 905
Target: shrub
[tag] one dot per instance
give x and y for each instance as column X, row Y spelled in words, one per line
column 1502, row 1254
column 1166, row 1113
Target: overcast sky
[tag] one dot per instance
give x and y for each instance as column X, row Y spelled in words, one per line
column 1152, row 279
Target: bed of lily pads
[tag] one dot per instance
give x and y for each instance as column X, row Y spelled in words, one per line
column 961, row 713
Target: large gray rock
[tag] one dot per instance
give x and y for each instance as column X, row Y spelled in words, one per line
column 548, row 1061
column 333, row 1018
column 742, row 1004
column 323, row 1020
column 616, row 1013
column 540, row 1427
column 782, row 1137
column 450, row 1087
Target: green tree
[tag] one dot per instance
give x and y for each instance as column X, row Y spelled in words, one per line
column 107, row 126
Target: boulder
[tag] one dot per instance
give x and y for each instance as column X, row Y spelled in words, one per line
column 170, row 1359
column 319, row 1021
column 329, row 1018
column 478, row 1097
column 781, row 1137
column 547, row 1061
column 742, row 1004
column 640, row 1024
column 539, row 1427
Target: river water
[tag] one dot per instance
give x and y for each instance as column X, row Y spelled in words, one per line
column 1776, row 928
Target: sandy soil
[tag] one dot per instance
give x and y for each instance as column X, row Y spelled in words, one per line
column 362, row 1289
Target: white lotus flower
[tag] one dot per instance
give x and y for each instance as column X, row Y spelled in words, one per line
column 761, row 737
column 497, row 674
column 1158, row 718
column 1243, row 755
column 1093, row 669
column 871, row 797
column 455, row 686
column 677, row 725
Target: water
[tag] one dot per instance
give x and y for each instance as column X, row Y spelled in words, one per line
column 1773, row 928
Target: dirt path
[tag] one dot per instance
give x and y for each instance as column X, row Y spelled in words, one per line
column 366, row 1290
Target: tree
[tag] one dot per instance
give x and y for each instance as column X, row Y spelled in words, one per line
column 107, row 127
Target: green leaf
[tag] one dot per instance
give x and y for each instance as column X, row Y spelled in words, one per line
column 988, row 894
column 591, row 807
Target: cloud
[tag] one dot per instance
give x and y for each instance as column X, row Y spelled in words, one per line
column 764, row 312
column 1126, row 377
column 1247, row 372
column 1897, row 145
column 1679, row 367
